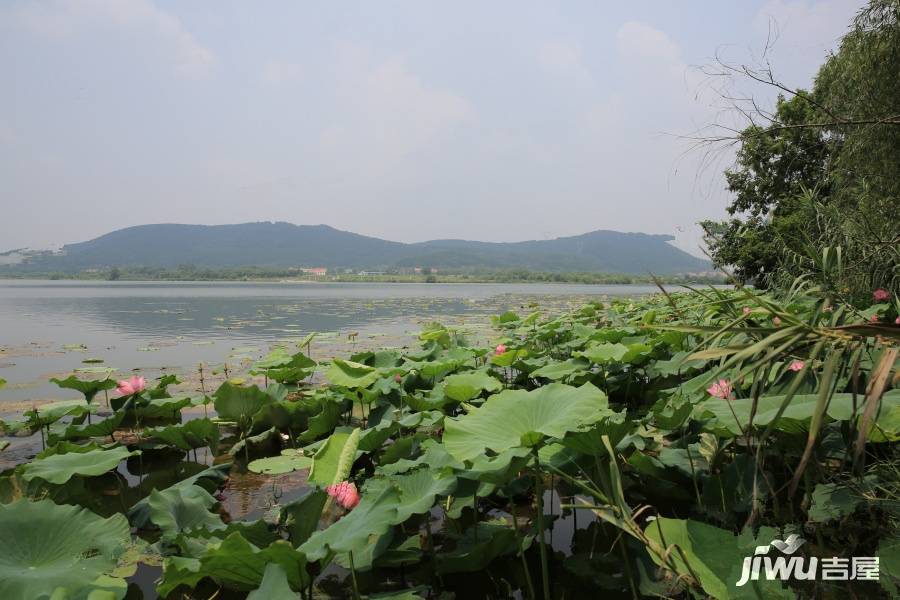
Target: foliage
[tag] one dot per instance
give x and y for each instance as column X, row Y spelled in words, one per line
column 823, row 173
column 609, row 405
column 59, row 551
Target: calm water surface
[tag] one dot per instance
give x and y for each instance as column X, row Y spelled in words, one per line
column 50, row 328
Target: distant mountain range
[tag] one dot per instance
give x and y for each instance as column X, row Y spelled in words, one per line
column 269, row 244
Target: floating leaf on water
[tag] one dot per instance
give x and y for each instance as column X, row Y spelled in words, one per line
column 290, row 460
column 75, row 347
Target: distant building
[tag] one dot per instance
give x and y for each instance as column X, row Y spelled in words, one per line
column 366, row 273
column 315, row 271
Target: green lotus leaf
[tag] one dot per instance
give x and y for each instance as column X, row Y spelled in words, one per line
column 103, row 428
column 261, row 444
column 196, row 542
column 561, row 370
column 506, row 359
column 3, row 445
column 2, row 383
column 714, row 556
column 182, row 509
column 289, row 460
column 433, row 455
column 286, row 415
column 373, row 516
column 50, row 413
column 401, row 553
column 601, row 354
column 239, row 403
column 345, row 373
column 236, row 564
column 208, row 479
column 333, row 461
column 324, row 422
column 507, row 317
column 615, row 426
column 59, row 468
column 467, row 490
column 364, row 558
column 301, row 517
column 274, row 585
column 50, row 549
column 157, row 408
column 515, row 418
column 417, row 490
column 66, row 447
column 283, row 367
column 88, row 387
column 435, row 332
column 196, row 433
column 479, row 545
column 374, row 437
column 463, row 387
column 437, row 368
column 795, row 418
column 832, row 500
column 406, row 446
column 279, row 357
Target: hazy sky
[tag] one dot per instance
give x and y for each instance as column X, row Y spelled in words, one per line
column 405, row 120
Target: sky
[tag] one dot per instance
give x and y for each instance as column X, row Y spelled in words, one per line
column 413, row 120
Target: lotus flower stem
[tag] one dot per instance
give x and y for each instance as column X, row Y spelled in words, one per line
column 356, row 595
column 475, row 508
column 626, row 559
column 515, row 524
column 539, row 498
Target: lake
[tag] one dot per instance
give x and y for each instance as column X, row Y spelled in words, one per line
column 51, row 328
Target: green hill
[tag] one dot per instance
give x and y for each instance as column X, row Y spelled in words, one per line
column 267, row 244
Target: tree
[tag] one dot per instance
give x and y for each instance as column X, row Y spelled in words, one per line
column 822, row 169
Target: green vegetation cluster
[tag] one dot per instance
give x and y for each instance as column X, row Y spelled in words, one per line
column 680, row 432
column 194, row 273
column 817, row 183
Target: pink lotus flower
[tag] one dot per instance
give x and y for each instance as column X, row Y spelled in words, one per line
column 796, row 365
column 880, row 295
column 397, row 378
column 500, row 349
column 776, row 321
column 897, row 321
column 134, row 385
column 720, row 389
column 873, row 319
column 344, row 493
column 746, row 310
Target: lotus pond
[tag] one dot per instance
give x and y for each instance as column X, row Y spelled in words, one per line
column 632, row 448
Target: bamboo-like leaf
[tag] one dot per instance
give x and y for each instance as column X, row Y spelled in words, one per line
column 825, row 391
column 876, row 389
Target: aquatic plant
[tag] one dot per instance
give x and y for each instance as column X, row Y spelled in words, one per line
column 676, row 434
